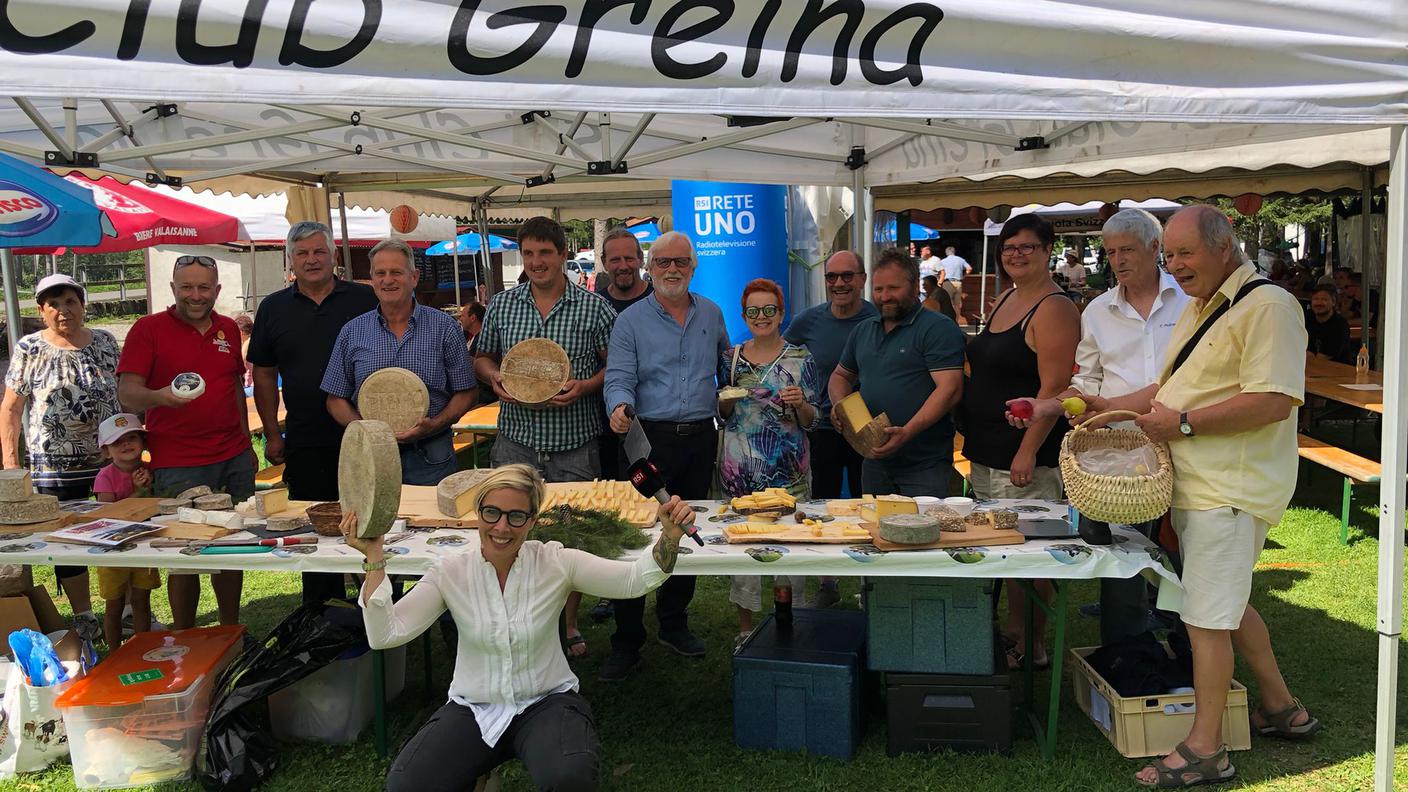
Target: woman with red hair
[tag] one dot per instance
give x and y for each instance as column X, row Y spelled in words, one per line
column 765, row 429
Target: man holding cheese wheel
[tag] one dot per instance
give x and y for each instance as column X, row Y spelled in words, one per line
column 193, row 441
column 908, row 364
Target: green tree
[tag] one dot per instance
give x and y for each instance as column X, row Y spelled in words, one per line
column 1266, row 228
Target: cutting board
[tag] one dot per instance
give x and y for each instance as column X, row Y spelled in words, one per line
column 973, row 537
column 791, row 533
column 185, row 530
column 129, row 509
column 844, row 507
column 645, row 510
column 418, row 508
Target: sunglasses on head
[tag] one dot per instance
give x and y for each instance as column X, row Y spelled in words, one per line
column 845, row 277
column 492, row 514
column 753, row 311
column 204, row 261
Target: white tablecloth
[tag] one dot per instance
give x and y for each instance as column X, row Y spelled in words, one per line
column 1068, row 558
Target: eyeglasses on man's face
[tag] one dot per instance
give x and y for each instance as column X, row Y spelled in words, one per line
column 517, row 518
column 204, row 261
column 664, row 262
column 844, row 277
column 753, row 311
column 1024, row 249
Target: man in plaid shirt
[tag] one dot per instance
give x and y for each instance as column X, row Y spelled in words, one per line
column 560, row 438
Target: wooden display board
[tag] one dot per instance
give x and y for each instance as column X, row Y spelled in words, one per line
column 973, row 537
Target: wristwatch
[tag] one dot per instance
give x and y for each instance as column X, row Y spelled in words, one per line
column 1183, row 425
column 368, row 566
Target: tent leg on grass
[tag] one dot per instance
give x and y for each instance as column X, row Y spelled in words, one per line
column 12, row 301
column 1394, row 453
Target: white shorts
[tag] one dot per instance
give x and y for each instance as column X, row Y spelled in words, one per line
column 991, row 483
column 1219, row 548
column 746, row 591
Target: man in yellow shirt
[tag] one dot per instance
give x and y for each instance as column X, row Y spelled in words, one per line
column 1226, row 405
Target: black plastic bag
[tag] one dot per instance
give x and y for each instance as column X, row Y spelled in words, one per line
column 240, row 750
column 1137, row 665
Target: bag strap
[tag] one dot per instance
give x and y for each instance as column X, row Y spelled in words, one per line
column 1187, row 350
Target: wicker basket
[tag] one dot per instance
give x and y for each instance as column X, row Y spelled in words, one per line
column 1121, row 500
column 326, row 518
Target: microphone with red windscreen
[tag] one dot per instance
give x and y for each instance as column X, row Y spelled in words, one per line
column 648, row 481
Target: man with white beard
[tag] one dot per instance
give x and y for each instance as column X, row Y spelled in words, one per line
column 661, row 363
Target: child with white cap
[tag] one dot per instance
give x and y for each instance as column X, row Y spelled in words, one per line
column 123, row 439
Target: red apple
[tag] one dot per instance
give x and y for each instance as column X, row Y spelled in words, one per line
column 1021, row 408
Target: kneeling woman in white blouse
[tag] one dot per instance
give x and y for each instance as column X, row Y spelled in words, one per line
column 513, row 694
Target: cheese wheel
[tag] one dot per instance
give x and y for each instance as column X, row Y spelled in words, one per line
column 369, row 476
column 194, row 492
column 286, row 523
column 33, row 509
column 911, row 529
column 535, row 370
column 15, row 485
column 188, row 386
column 214, row 502
column 454, row 495
column 170, row 505
column 394, row 396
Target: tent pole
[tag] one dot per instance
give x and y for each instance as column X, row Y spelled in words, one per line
column 1394, row 453
column 481, row 216
column 346, row 243
column 456, row 237
column 12, row 300
column 983, row 282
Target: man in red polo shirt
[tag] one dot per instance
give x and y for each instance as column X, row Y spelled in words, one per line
column 193, row 441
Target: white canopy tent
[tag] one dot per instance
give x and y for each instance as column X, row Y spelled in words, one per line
column 502, row 98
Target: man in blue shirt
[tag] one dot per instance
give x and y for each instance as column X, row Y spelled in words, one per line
column 908, row 362
column 823, row 330
column 662, row 360
column 402, row 332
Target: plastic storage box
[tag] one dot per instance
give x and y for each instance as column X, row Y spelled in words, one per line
column 930, row 626
column 334, row 703
column 800, row 688
column 961, row 712
column 1151, row 725
column 137, row 718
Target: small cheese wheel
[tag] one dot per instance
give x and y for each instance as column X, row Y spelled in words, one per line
column 15, row 485
column 369, row 476
column 170, row 505
column 35, row 508
column 194, row 492
column 395, row 396
column 188, row 386
column 214, row 502
column 454, row 495
column 911, row 529
column 286, row 523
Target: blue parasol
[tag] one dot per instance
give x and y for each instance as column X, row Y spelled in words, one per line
column 468, row 245
column 645, row 233
column 39, row 209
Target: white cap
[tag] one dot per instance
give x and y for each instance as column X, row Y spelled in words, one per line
column 117, row 426
column 56, row 280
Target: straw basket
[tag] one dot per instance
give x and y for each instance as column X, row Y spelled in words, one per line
column 326, row 518
column 1121, row 500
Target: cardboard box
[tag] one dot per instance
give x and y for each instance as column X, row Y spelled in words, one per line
column 35, row 611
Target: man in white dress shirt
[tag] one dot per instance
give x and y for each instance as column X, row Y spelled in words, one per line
column 1124, row 335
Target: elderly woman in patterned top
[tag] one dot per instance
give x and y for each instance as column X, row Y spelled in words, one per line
column 67, row 372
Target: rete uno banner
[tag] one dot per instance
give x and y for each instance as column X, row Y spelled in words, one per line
column 1138, row 60
column 739, row 233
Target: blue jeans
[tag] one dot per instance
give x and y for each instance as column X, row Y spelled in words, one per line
column 582, row 463
column 428, row 460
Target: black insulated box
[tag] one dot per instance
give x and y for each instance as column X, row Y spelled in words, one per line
column 960, row 712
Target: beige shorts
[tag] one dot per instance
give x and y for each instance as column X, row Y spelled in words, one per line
column 991, row 483
column 1219, row 548
column 746, row 591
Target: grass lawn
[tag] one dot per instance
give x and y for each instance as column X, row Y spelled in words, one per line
column 669, row 728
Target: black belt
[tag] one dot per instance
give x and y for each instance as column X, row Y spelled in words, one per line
column 681, row 429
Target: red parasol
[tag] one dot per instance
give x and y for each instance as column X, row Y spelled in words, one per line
column 145, row 217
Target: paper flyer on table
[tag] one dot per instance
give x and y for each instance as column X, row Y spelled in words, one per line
column 107, row 533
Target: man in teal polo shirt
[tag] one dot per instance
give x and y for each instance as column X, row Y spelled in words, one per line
column 909, row 365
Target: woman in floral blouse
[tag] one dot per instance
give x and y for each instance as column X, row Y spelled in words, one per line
column 765, row 432
column 68, row 373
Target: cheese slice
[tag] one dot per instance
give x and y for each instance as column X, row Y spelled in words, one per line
column 15, row 485
column 853, row 411
column 455, row 493
column 270, row 501
column 225, row 519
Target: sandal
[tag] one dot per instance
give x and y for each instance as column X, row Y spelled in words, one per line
column 1279, row 724
column 1016, row 659
column 1199, row 770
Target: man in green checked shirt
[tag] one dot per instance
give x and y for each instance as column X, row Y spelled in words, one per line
column 560, row 438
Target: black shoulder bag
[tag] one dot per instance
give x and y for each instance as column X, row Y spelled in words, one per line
column 1192, row 344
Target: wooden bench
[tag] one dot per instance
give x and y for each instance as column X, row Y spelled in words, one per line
column 961, row 465
column 1354, row 468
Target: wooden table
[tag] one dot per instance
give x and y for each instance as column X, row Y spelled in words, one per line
column 256, row 424
column 483, row 419
column 1327, row 379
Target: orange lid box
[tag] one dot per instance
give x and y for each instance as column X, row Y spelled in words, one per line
column 152, row 664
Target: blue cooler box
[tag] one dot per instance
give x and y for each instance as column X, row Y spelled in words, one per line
column 930, row 625
column 800, row 688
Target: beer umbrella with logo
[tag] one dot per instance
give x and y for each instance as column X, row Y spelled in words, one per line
column 38, row 208
column 144, row 217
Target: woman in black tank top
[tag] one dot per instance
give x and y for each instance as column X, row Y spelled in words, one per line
column 1027, row 349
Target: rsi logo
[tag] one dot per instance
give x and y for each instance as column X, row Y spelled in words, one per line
column 22, row 212
column 720, row 215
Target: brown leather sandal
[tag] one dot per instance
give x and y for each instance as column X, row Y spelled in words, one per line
column 1199, row 770
column 1279, row 724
